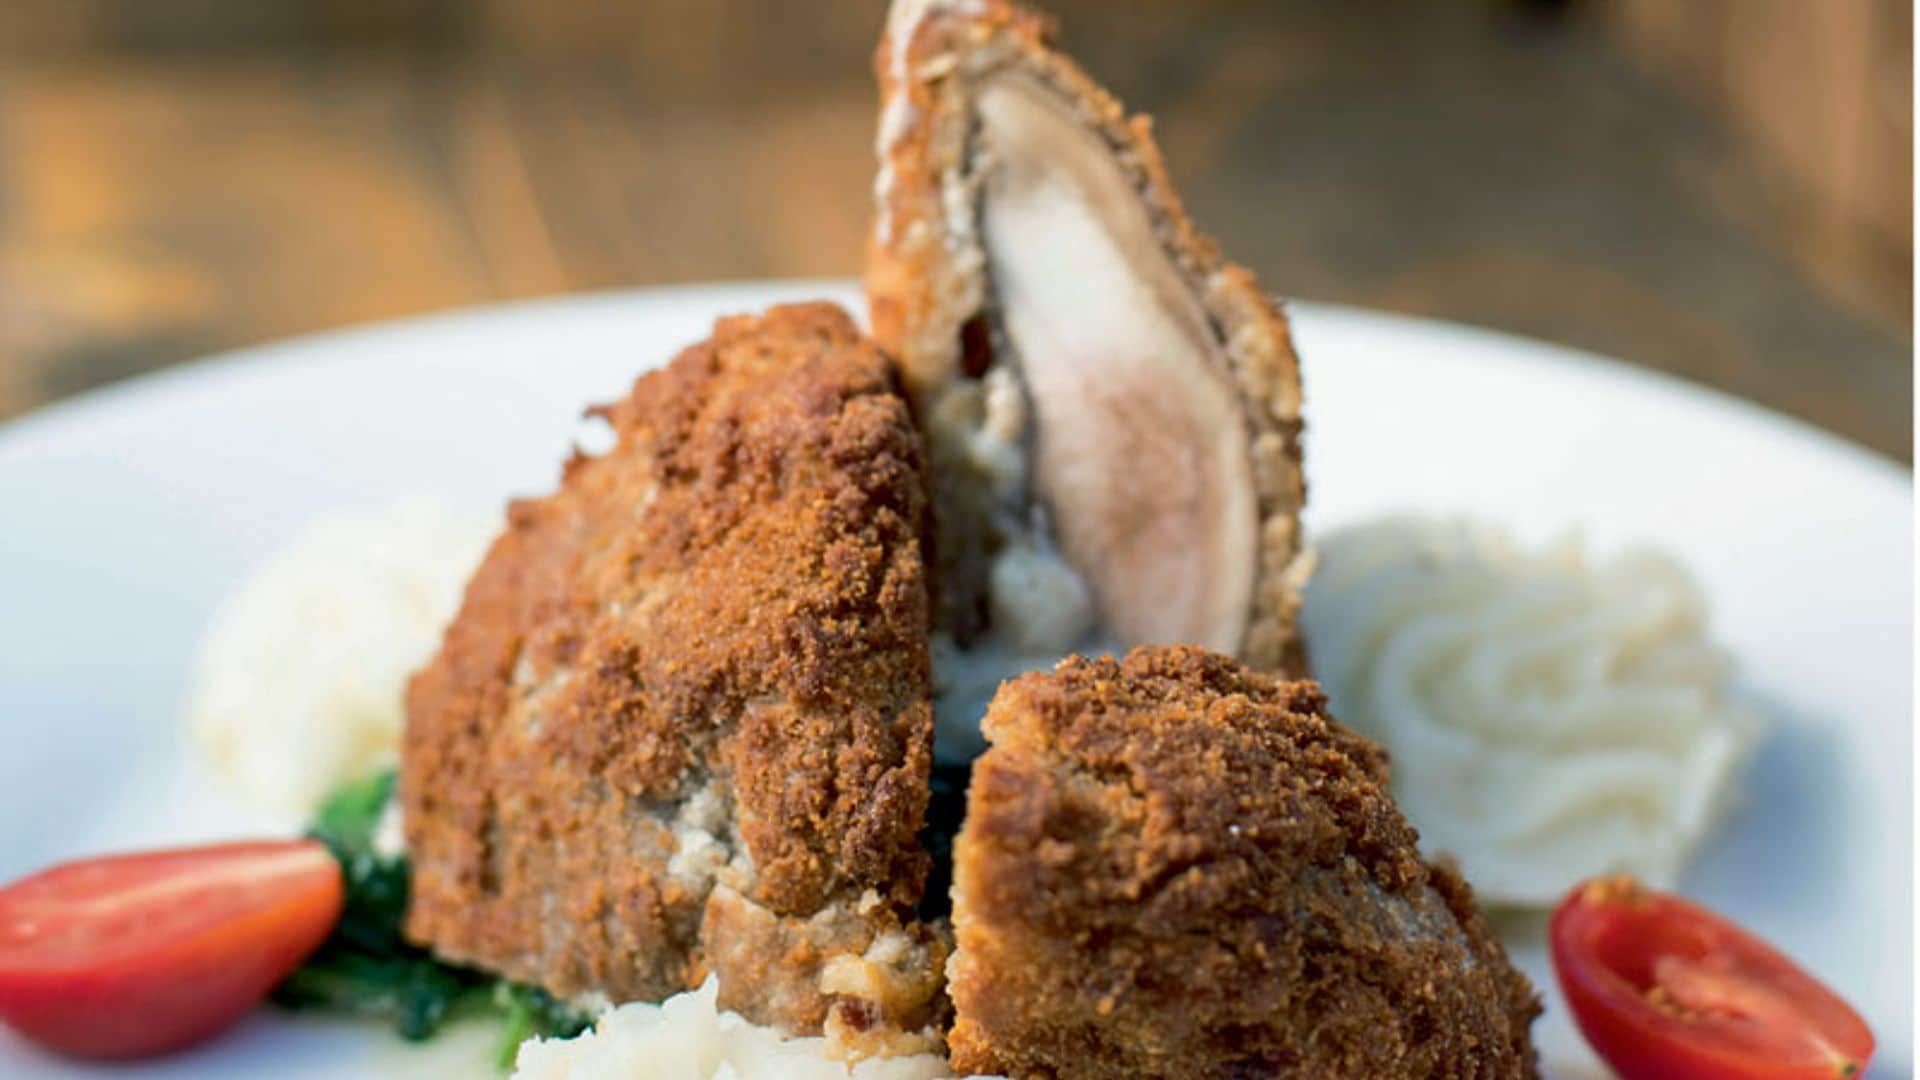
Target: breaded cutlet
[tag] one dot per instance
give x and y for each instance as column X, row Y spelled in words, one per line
column 1172, row 866
column 1113, row 409
column 680, row 725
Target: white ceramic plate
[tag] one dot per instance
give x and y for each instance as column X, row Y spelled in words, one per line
column 125, row 515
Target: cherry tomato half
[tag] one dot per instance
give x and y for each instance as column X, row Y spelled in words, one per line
column 1665, row 988
column 132, row 955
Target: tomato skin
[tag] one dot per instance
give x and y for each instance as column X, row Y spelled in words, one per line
column 1665, row 988
column 134, row 955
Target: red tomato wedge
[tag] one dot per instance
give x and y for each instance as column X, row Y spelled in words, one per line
column 1665, row 988
column 132, row 955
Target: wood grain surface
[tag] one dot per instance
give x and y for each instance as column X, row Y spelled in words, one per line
column 171, row 187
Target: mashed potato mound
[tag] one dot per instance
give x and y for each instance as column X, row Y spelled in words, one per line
column 687, row 1037
column 302, row 672
column 1550, row 716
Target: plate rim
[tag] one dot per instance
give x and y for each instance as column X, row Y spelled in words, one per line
column 264, row 359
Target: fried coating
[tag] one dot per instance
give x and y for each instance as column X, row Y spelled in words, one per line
column 1175, row 867
column 681, row 723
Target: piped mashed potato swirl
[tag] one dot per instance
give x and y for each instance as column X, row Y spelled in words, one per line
column 1550, row 715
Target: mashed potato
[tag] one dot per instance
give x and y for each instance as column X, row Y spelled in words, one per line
column 1550, row 716
column 687, row 1037
column 301, row 674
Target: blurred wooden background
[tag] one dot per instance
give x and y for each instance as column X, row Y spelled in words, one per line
column 1717, row 188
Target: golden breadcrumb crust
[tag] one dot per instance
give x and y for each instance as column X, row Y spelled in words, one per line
column 716, row 631
column 1172, row 866
column 926, row 284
